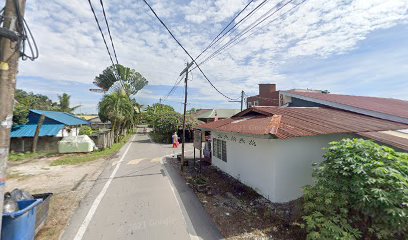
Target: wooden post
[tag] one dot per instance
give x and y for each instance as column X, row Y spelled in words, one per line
column 9, row 55
column 37, row 133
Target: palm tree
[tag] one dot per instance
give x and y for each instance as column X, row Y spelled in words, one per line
column 64, row 102
column 119, row 76
column 118, row 109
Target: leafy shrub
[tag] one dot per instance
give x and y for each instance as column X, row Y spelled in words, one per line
column 360, row 192
column 86, row 130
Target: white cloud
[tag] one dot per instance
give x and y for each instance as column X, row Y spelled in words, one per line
column 71, row 47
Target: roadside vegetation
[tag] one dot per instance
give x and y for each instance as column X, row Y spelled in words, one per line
column 92, row 156
column 18, row 157
column 165, row 121
column 119, row 106
column 28, row 100
column 361, row 192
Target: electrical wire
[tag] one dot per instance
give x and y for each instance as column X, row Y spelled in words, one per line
column 234, row 28
column 232, row 20
column 192, row 59
column 1, row 15
column 26, row 37
column 251, row 27
column 116, row 73
column 100, row 30
column 109, row 32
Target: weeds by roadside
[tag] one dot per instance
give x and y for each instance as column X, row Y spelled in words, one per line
column 16, row 157
column 87, row 157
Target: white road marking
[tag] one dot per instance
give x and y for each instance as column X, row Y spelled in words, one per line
column 98, row 199
column 186, row 219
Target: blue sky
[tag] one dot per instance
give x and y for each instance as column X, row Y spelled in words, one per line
column 353, row 47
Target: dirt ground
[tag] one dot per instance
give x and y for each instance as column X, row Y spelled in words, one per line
column 69, row 184
column 238, row 211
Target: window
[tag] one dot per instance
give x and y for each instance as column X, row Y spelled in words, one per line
column 215, row 147
column 220, row 149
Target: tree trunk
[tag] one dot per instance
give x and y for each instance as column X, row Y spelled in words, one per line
column 37, row 133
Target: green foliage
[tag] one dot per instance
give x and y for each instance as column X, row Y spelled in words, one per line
column 360, row 192
column 15, row 157
column 20, row 114
column 128, row 79
column 118, row 109
column 86, row 130
column 28, row 100
column 64, row 103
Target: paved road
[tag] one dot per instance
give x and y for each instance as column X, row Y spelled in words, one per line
column 139, row 197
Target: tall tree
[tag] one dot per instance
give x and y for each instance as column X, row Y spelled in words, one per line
column 118, row 109
column 24, row 101
column 119, row 76
column 64, row 103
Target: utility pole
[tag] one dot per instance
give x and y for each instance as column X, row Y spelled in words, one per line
column 241, row 101
column 9, row 55
column 184, row 113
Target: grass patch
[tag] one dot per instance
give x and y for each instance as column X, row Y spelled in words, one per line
column 15, row 157
column 87, row 157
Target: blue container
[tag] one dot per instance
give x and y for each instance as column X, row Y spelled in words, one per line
column 20, row 225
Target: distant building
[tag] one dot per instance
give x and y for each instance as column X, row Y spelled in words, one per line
column 210, row 115
column 268, row 96
column 56, row 125
column 95, row 122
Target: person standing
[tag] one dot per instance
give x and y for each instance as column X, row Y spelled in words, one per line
column 175, row 140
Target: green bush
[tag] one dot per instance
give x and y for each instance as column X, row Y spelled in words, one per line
column 360, row 192
column 86, row 130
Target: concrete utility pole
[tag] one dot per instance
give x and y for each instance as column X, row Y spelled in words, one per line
column 241, row 101
column 184, row 113
column 9, row 55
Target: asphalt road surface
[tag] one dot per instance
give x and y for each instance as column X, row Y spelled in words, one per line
column 139, row 196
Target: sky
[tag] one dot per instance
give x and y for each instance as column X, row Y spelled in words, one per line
column 355, row 47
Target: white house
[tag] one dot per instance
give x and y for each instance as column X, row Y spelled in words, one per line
column 273, row 149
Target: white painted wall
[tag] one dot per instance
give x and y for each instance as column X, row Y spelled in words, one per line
column 276, row 169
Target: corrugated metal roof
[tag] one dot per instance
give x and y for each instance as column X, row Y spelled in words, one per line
column 299, row 122
column 386, row 138
column 48, row 130
column 65, row 118
column 220, row 113
column 389, row 106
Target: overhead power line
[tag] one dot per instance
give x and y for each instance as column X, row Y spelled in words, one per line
column 216, row 37
column 115, row 66
column 100, row 30
column 256, row 23
column 234, row 28
column 109, row 32
column 192, row 59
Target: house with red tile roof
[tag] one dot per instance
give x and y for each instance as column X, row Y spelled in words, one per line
column 383, row 108
column 273, row 149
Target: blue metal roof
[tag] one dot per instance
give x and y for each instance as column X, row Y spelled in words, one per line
column 49, row 130
column 61, row 117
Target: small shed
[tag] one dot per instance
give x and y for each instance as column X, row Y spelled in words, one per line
column 55, row 126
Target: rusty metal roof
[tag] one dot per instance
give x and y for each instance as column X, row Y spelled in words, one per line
column 389, row 106
column 288, row 122
column 391, row 140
